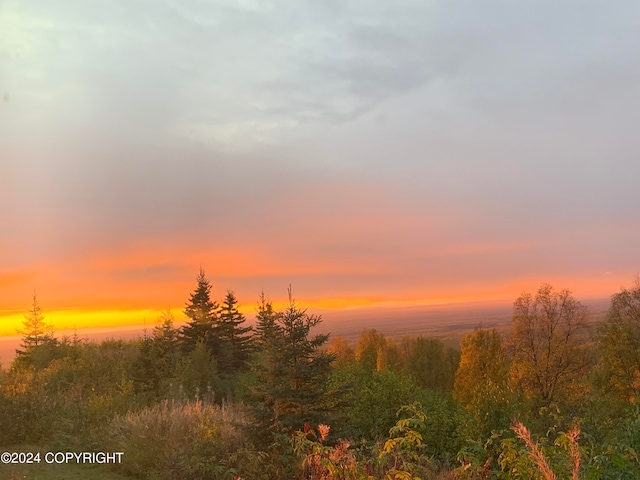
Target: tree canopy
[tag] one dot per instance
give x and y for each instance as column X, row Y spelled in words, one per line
column 620, row 343
column 547, row 350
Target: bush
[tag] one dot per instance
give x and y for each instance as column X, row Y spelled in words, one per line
column 376, row 398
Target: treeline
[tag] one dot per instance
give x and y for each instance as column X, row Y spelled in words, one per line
column 217, row 398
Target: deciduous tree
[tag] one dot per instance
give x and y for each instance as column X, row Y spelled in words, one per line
column 341, row 350
column 481, row 382
column 375, row 352
column 432, row 364
column 549, row 358
column 620, row 344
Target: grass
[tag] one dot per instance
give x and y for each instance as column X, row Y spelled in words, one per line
column 177, row 440
column 538, row 457
column 46, row 471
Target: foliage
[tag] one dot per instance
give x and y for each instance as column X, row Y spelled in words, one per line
column 403, row 455
column 375, row 398
column 481, row 382
column 341, row 350
column 549, row 359
column 156, row 366
column 620, row 343
column 404, row 451
column 165, row 344
column 323, row 462
column 375, row 352
column 432, row 364
column 572, row 454
column 219, row 327
column 84, row 386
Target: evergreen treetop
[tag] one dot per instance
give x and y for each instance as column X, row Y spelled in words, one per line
column 203, row 315
column 36, row 331
column 235, row 340
column 266, row 318
column 164, row 329
column 200, row 308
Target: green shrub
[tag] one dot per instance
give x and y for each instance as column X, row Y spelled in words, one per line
column 376, row 398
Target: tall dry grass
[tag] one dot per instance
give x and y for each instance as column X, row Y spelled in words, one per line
column 574, row 451
column 538, row 457
column 534, row 451
column 186, row 440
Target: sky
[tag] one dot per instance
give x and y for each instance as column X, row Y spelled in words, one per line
column 365, row 152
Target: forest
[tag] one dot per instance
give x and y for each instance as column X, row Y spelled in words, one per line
column 223, row 398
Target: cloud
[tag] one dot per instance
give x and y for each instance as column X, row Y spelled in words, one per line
column 399, row 144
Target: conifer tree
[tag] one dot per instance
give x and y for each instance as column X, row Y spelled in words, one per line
column 36, row 331
column 165, row 344
column 292, row 372
column 203, row 316
column 265, row 321
column 234, row 339
column 145, row 375
column 164, row 330
column 198, row 373
column 157, row 361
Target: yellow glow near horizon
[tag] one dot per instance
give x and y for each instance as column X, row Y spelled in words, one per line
column 80, row 319
column 113, row 318
column 11, row 323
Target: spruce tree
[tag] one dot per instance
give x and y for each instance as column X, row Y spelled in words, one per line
column 203, row 316
column 36, row 332
column 164, row 331
column 266, row 319
column 292, row 372
column 234, row 339
column 198, row 374
column 165, row 345
column 145, row 375
column 157, row 361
